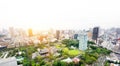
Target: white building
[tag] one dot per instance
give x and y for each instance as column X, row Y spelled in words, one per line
column 8, row 62
column 83, row 38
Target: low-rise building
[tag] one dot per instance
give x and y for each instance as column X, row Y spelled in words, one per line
column 8, row 62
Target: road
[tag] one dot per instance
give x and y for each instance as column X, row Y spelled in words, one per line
column 6, row 53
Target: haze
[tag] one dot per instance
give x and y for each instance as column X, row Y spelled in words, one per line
column 59, row 14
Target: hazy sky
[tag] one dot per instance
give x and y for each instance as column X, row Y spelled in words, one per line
column 44, row 14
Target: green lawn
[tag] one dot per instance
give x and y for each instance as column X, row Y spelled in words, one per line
column 75, row 52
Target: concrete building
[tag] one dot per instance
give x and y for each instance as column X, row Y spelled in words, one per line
column 118, row 32
column 57, row 34
column 89, row 33
column 83, row 38
column 8, row 62
column 12, row 32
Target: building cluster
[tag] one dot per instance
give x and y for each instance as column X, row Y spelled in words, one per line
column 12, row 37
column 18, row 37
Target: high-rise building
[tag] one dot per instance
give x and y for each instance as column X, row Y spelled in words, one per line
column 57, row 34
column 30, row 32
column 95, row 33
column 83, row 39
column 118, row 32
column 12, row 32
column 89, row 33
column 75, row 36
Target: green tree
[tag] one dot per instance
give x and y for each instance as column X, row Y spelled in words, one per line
column 70, row 42
column 57, row 63
column 106, row 63
column 63, row 64
column 26, row 62
column 65, row 51
column 72, row 64
column 93, row 47
column 33, row 63
column 94, row 55
column 48, row 64
column 91, row 42
column 37, row 64
column 81, row 63
column 42, row 62
column 38, row 58
column 88, row 58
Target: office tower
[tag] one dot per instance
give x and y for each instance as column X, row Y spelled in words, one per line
column 30, row 32
column 83, row 38
column 75, row 36
column 57, row 34
column 95, row 33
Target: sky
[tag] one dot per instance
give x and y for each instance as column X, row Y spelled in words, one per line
column 59, row 14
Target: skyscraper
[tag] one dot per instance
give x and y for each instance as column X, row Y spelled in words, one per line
column 83, row 38
column 30, row 32
column 95, row 33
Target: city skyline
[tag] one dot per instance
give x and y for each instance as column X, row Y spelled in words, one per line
column 63, row 14
column 59, row 33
